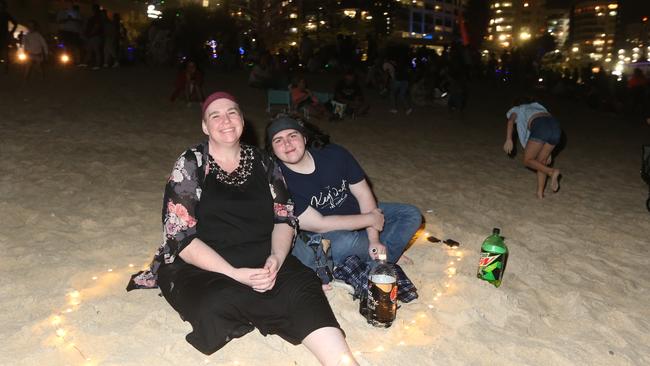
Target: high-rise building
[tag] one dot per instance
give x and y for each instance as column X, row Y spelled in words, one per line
column 515, row 22
column 428, row 21
column 593, row 29
column 557, row 25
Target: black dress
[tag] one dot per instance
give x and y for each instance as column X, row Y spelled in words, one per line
column 237, row 221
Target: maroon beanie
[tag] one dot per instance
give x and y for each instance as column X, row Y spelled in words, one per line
column 214, row 96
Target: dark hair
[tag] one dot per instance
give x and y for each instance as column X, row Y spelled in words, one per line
column 316, row 138
column 523, row 100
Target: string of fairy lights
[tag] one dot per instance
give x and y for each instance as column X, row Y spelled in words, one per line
column 64, row 337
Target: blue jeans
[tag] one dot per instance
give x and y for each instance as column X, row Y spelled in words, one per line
column 399, row 89
column 401, row 221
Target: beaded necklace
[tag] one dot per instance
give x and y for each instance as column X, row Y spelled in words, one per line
column 238, row 176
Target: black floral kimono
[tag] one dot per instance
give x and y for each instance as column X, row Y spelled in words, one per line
column 234, row 213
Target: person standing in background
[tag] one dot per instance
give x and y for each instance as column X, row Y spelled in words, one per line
column 6, row 33
column 69, row 21
column 36, row 49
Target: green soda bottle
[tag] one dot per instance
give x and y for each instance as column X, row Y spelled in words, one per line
column 494, row 255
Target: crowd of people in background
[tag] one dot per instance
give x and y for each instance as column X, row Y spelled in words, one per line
column 96, row 41
column 409, row 77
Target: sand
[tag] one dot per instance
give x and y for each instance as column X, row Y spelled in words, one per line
column 85, row 156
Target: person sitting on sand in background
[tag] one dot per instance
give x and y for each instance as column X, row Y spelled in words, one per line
column 35, row 48
column 189, row 82
column 333, row 198
column 348, row 91
column 262, row 75
column 302, row 97
column 539, row 132
column 225, row 264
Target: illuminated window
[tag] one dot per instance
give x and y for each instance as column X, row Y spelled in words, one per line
column 206, row 3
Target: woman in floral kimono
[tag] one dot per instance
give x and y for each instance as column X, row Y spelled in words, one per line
column 225, row 263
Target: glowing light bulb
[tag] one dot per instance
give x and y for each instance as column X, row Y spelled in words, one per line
column 60, row 332
column 56, row 320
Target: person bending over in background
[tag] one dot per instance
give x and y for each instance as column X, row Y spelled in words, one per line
column 539, row 132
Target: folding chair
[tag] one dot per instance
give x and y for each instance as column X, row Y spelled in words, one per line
column 275, row 97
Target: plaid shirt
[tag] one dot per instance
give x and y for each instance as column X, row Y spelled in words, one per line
column 354, row 272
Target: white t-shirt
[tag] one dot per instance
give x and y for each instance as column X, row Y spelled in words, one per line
column 34, row 43
column 524, row 112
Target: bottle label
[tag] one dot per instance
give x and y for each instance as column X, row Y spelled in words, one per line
column 490, row 266
column 382, row 300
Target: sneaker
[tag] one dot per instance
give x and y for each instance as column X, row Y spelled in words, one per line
column 408, row 111
column 393, row 111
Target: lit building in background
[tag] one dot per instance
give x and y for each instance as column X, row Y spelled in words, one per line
column 515, row 22
column 634, row 40
column 557, row 25
column 428, row 21
column 593, row 30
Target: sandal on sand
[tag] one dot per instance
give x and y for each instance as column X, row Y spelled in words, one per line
column 433, row 239
column 452, row 243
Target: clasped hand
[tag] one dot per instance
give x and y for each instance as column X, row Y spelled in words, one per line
column 260, row 279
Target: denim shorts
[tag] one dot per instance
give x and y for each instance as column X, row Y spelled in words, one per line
column 545, row 129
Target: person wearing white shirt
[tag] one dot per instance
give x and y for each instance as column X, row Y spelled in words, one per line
column 539, row 132
column 36, row 49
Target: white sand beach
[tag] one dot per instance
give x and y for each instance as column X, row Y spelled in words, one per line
column 85, row 156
